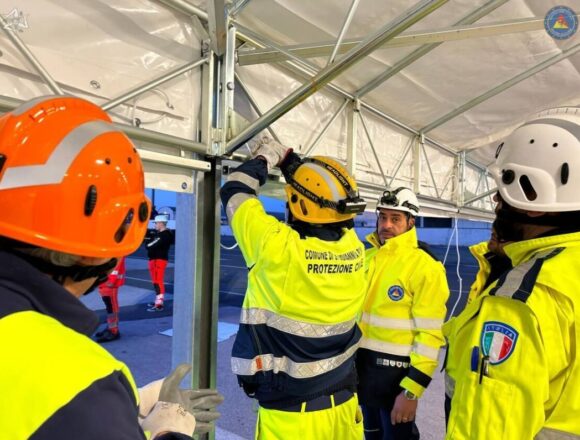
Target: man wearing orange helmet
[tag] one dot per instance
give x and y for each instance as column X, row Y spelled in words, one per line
column 72, row 198
column 294, row 351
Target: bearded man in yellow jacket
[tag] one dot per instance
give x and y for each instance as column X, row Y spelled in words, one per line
column 513, row 369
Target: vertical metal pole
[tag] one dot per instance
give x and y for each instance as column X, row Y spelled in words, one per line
column 352, row 135
column 364, row 124
column 417, row 164
column 460, row 196
column 227, row 81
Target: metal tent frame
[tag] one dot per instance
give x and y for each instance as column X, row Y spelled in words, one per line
column 227, row 45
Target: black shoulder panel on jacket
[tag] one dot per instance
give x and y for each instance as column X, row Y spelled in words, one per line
column 425, row 248
column 105, row 410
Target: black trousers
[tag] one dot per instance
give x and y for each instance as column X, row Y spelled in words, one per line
column 377, row 390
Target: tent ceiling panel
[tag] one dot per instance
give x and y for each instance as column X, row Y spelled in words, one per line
column 444, row 79
column 100, row 50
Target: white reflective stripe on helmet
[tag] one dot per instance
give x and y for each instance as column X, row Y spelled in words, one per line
column 327, row 177
column 55, row 168
column 255, row 316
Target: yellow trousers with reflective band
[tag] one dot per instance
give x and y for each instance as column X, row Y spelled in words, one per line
column 342, row 422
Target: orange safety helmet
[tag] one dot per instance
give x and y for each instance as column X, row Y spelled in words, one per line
column 322, row 191
column 69, row 180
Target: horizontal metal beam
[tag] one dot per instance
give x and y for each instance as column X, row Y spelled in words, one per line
column 407, row 19
column 186, row 8
column 141, row 134
column 506, row 85
column 167, row 159
column 452, row 33
column 480, row 196
column 152, row 84
column 470, row 18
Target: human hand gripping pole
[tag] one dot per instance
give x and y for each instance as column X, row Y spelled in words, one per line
column 273, row 152
column 164, row 397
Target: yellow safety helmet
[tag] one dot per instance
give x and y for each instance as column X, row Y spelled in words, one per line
column 321, row 190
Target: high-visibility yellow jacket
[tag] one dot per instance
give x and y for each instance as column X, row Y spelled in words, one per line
column 405, row 305
column 479, row 251
column 513, row 369
column 490, row 264
column 298, row 332
column 55, row 382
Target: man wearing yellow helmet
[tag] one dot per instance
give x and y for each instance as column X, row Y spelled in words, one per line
column 294, row 351
column 401, row 320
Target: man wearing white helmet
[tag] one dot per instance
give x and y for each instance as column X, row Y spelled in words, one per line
column 158, row 253
column 513, row 367
column 401, row 320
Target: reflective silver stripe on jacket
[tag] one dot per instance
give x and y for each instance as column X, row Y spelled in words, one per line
column 449, row 386
column 255, row 316
column 553, row 434
column 386, row 347
column 297, row 370
column 402, row 323
column 428, row 323
column 515, row 277
column 234, row 203
column 247, row 180
column 387, row 323
column 425, row 350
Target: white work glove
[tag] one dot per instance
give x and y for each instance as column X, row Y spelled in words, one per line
column 200, row 403
column 269, row 149
column 168, row 417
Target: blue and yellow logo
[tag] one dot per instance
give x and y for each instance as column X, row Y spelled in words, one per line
column 561, row 22
column 396, row 293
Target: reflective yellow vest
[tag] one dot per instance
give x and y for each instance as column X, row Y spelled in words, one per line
column 298, row 332
column 513, row 368
column 405, row 305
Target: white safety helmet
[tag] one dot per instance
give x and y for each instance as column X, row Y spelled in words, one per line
column 162, row 218
column 537, row 167
column 399, row 199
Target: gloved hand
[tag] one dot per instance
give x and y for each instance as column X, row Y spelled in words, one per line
column 168, row 417
column 200, row 403
column 269, row 149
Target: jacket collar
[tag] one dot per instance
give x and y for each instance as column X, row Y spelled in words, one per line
column 523, row 250
column 405, row 240
column 45, row 295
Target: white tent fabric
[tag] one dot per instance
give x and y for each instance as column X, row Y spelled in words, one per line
column 100, row 49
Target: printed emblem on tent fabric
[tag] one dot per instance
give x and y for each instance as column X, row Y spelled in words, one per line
column 561, row 22
column 498, row 341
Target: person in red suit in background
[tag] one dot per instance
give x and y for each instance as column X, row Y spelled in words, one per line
column 109, row 291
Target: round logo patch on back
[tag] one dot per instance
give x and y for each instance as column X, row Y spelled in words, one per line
column 396, row 293
column 561, row 22
column 498, row 341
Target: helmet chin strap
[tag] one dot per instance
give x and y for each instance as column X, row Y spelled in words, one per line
column 75, row 272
